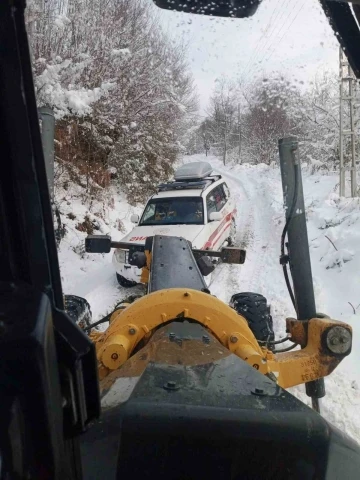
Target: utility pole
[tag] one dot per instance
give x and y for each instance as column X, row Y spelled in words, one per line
column 46, row 115
column 347, row 125
column 225, row 138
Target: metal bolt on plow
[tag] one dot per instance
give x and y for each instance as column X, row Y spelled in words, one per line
column 338, row 340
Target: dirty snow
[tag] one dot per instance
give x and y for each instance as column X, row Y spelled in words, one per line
column 334, row 231
column 88, row 275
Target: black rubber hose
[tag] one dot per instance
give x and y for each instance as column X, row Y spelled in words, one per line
column 289, row 287
column 275, row 342
column 129, row 299
column 99, row 322
column 283, row 235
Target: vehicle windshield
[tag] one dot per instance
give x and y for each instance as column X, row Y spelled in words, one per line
column 128, row 93
column 174, row 211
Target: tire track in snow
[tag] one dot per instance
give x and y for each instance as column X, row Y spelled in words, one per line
column 248, row 233
column 244, row 237
column 259, row 234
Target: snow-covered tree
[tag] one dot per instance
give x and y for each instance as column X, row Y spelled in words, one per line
column 272, row 108
column 318, row 110
column 118, row 85
column 270, row 114
column 222, row 119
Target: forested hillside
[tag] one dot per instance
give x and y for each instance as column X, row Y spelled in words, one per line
column 120, row 87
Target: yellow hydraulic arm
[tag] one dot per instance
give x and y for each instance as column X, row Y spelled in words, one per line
column 325, row 341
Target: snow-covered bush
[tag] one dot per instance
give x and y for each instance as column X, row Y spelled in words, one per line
column 119, row 86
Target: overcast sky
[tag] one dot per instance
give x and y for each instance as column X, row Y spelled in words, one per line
column 289, row 36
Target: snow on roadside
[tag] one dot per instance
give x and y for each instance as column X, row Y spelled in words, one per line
column 91, row 275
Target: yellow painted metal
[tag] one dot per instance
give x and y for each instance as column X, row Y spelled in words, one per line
column 122, row 306
column 129, row 326
column 157, row 308
column 95, row 336
column 115, row 351
column 311, row 362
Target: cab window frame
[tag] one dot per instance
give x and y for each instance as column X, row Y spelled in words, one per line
column 226, row 190
column 224, row 200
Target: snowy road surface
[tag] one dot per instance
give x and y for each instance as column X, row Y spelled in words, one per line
column 260, row 219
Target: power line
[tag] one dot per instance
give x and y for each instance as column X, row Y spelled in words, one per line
column 263, row 36
column 293, row 20
column 264, row 39
column 275, row 45
column 271, row 44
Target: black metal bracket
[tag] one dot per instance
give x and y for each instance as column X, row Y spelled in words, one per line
column 104, row 244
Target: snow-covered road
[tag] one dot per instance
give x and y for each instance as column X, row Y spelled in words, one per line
column 258, row 230
column 260, row 219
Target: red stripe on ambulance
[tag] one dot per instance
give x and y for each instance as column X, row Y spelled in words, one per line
column 224, row 225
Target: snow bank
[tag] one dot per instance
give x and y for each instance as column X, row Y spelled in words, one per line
column 91, row 275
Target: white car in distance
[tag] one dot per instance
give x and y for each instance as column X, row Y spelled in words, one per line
column 196, row 206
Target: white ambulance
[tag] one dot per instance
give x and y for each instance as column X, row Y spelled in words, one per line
column 196, row 206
